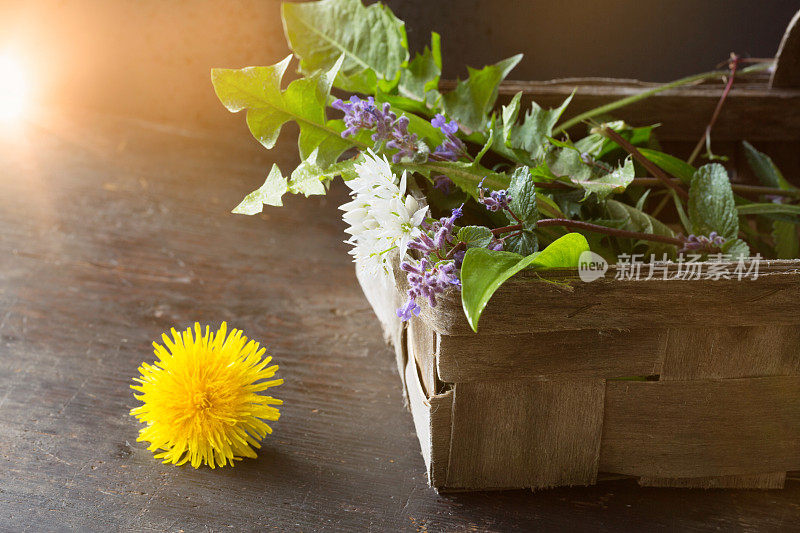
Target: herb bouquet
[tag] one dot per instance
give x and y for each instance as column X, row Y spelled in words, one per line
column 453, row 196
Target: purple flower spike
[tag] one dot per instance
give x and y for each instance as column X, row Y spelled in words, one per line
column 402, row 140
column 409, row 309
column 364, row 114
column 496, row 201
column 451, row 148
column 701, row 243
column 443, row 183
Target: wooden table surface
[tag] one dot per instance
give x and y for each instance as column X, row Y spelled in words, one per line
column 114, row 230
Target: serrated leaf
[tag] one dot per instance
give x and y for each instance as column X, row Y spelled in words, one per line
column 613, row 182
column 270, row 193
column 371, row 39
column 522, row 191
column 423, row 72
column 310, row 179
column 711, row 203
column 479, row 236
column 765, row 169
column 484, row 271
column 537, row 126
column 524, row 244
column 258, row 89
column 670, row 164
column 736, row 248
column 472, row 99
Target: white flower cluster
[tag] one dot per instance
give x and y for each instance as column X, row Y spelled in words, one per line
column 381, row 216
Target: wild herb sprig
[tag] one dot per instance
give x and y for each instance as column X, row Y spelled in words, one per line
column 428, row 161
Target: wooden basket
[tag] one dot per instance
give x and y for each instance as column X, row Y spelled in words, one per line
column 539, row 398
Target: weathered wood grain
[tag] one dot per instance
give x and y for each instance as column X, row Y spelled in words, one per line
column 422, row 347
column 524, row 304
column 550, row 354
column 702, row 427
column 731, row 352
column 521, row 433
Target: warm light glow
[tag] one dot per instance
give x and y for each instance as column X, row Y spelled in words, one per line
column 14, row 90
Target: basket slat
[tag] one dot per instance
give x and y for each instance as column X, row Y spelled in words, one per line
column 702, row 427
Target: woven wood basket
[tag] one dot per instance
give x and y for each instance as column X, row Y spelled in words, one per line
column 539, row 397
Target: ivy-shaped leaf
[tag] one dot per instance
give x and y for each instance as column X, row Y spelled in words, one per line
column 371, row 39
column 268, row 194
column 421, row 77
column 532, row 135
column 711, row 203
column 484, row 271
column 611, row 183
column 472, row 99
column 258, row 89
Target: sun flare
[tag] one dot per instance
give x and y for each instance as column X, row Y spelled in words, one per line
column 14, row 88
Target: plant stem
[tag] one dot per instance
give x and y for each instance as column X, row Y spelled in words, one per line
column 734, row 63
column 737, row 187
column 646, row 163
column 650, row 92
column 594, row 228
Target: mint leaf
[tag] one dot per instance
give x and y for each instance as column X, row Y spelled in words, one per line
column 534, row 131
column 423, row 72
column 736, row 248
column 479, row 236
column 371, row 39
column 258, row 89
column 523, row 196
column 472, row 100
column 484, row 271
column 270, row 194
column 711, row 204
column 670, row 164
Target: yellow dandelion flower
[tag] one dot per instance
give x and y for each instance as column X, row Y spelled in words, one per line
column 201, row 400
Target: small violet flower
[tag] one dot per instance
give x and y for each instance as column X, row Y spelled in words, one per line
column 401, row 140
column 451, row 148
column 431, row 275
column 496, row 201
column 701, row 243
column 364, row 114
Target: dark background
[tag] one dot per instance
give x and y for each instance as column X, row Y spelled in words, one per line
column 151, row 58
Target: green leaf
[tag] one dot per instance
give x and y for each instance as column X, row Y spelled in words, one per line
column 258, row 89
column 270, row 194
column 423, row 72
column 484, row 271
column 472, row 100
column 479, row 236
column 614, row 182
column 711, row 203
column 523, row 196
column 465, row 175
column 736, row 248
column 768, row 209
column 787, row 241
column 636, row 136
column 765, row 170
column 533, row 133
column 371, row 39
column 670, row 164
column 629, row 218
